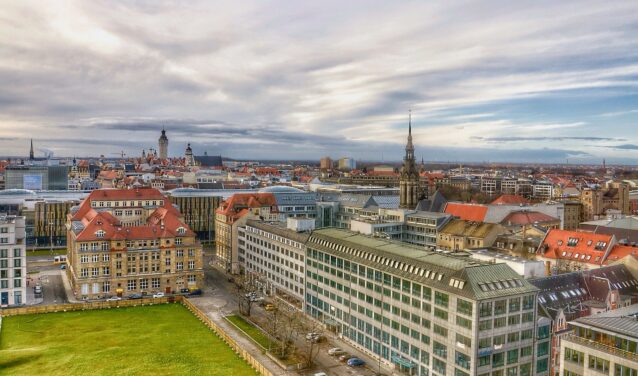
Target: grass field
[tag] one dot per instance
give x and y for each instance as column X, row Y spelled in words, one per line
column 46, row 252
column 253, row 332
column 153, row 340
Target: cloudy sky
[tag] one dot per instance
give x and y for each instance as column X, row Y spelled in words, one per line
column 497, row 81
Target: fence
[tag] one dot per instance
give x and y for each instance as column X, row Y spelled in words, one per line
column 88, row 305
column 228, row 339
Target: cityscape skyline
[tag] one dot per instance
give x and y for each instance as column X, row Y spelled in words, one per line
column 526, row 88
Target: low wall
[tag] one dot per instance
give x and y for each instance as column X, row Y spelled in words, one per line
column 254, row 363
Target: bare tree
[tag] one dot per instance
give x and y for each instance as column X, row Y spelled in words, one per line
column 307, row 326
column 245, row 290
column 283, row 325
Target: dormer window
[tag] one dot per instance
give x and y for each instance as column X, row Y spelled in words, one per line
column 181, row 231
column 100, row 233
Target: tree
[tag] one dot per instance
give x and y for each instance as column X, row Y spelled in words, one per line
column 284, row 325
column 310, row 348
column 245, row 288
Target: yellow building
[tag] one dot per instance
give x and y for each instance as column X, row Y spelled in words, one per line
column 458, row 235
column 130, row 241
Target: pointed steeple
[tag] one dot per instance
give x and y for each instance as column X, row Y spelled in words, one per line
column 31, row 154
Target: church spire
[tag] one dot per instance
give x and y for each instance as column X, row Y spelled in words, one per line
column 31, row 155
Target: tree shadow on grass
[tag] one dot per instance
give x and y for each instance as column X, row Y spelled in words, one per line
column 18, row 361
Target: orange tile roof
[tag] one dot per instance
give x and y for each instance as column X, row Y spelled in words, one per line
column 510, row 200
column 578, row 246
column 619, row 252
column 468, row 212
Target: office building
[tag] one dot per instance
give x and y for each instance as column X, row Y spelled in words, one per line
column 37, row 177
column 423, row 312
column 275, row 254
column 602, row 344
column 130, row 241
column 13, row 261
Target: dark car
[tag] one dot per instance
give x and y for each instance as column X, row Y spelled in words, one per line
column 184, row 291
column 196, row 292
column 355, row 362
column 135, row 296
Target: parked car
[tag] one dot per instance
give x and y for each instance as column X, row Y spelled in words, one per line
column 344, row 358
column 158, row 295
column 314, row 337
column 270, row 307
column 184, row 291
column 63, row 266
column 135, row 296
column 37, row 289
column 195, row 292
column 113, row 299
column 320, row 374
column 355, row 362
column 336, row 351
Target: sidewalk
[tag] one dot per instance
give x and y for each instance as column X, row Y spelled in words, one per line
column 214, row 314
column 70, row 296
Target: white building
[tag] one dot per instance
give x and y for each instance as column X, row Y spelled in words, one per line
column 275, row 255
column 13, row 261
column 524, row 267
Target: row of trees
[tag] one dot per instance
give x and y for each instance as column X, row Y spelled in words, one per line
column 288, row 325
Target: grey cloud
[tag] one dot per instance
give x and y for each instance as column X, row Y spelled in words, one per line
column 542, row 138
column 625, row 147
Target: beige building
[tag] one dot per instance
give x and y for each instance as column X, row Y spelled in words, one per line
column 130, row 241
column 602, row 344
column 596, row 202
column 458, row 235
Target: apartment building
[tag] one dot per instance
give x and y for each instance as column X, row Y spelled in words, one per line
column 13, row 261
column 127, row 241
column 602, row 344
column 458, row 235
column 423, row 312
column 275, row 254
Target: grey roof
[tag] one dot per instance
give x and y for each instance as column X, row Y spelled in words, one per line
column 387, row 202
column 621, row 320
column 209, row 160
column 297, row 197
column 436, row 203
column 279, row 229
column 432, row 268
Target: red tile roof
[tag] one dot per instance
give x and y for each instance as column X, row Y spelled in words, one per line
column 527, row 218
column 163, row 222
column 237, row 203
column 468, row 212
column 510, row 200
column 578, row 246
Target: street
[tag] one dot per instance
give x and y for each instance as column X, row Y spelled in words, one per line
column 220, row 297
column 41, row 270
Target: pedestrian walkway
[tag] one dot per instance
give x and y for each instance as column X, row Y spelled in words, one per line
column 214, row 313
column 69, row 291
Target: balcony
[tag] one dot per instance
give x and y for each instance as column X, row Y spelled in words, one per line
column 602, row 347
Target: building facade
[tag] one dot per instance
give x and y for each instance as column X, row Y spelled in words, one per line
column 13, row 261
column 422, row 312
column 410, row 190
column 276, row 256
column 163, row 145
column 603, row 344
column 198, row 211
column 130, row 241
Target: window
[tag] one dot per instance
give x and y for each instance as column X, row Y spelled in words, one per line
column 106, row 257
column 440, row 313
column 599, row 364
column 484, row 361
column 485, row 309
column 542, row 365
column 464, row 307
column 84, row 272
column 500, row 307
column 620, row 370
column 526, row 351
column 16, row 252
column 438, row 366
column 463, row 322
column 143, row 284
column 441, row 299
column 499, row 322
column 515, row 304
column 106, row 270
column 543, row 349
column 180, row 265
column 106, row 286
column 131, row 285
column 514, row 320
column 498, row 360
column 155, row 283
column 485, row 325
column 191, row 265
column 462, row 360
column 512, row 356
column 439, row 349
column 440, row 330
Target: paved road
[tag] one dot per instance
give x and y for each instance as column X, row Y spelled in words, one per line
column 49, row 276
column 219, row 296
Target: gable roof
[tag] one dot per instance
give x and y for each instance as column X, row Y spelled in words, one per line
column 524, row 217
column 468, row 212
column 510, row 200
column 578, row 246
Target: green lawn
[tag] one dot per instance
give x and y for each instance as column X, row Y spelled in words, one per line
column 153, row 340
column 253, row 332
column 46, row 252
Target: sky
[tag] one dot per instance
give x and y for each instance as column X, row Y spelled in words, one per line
column 518, row 81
